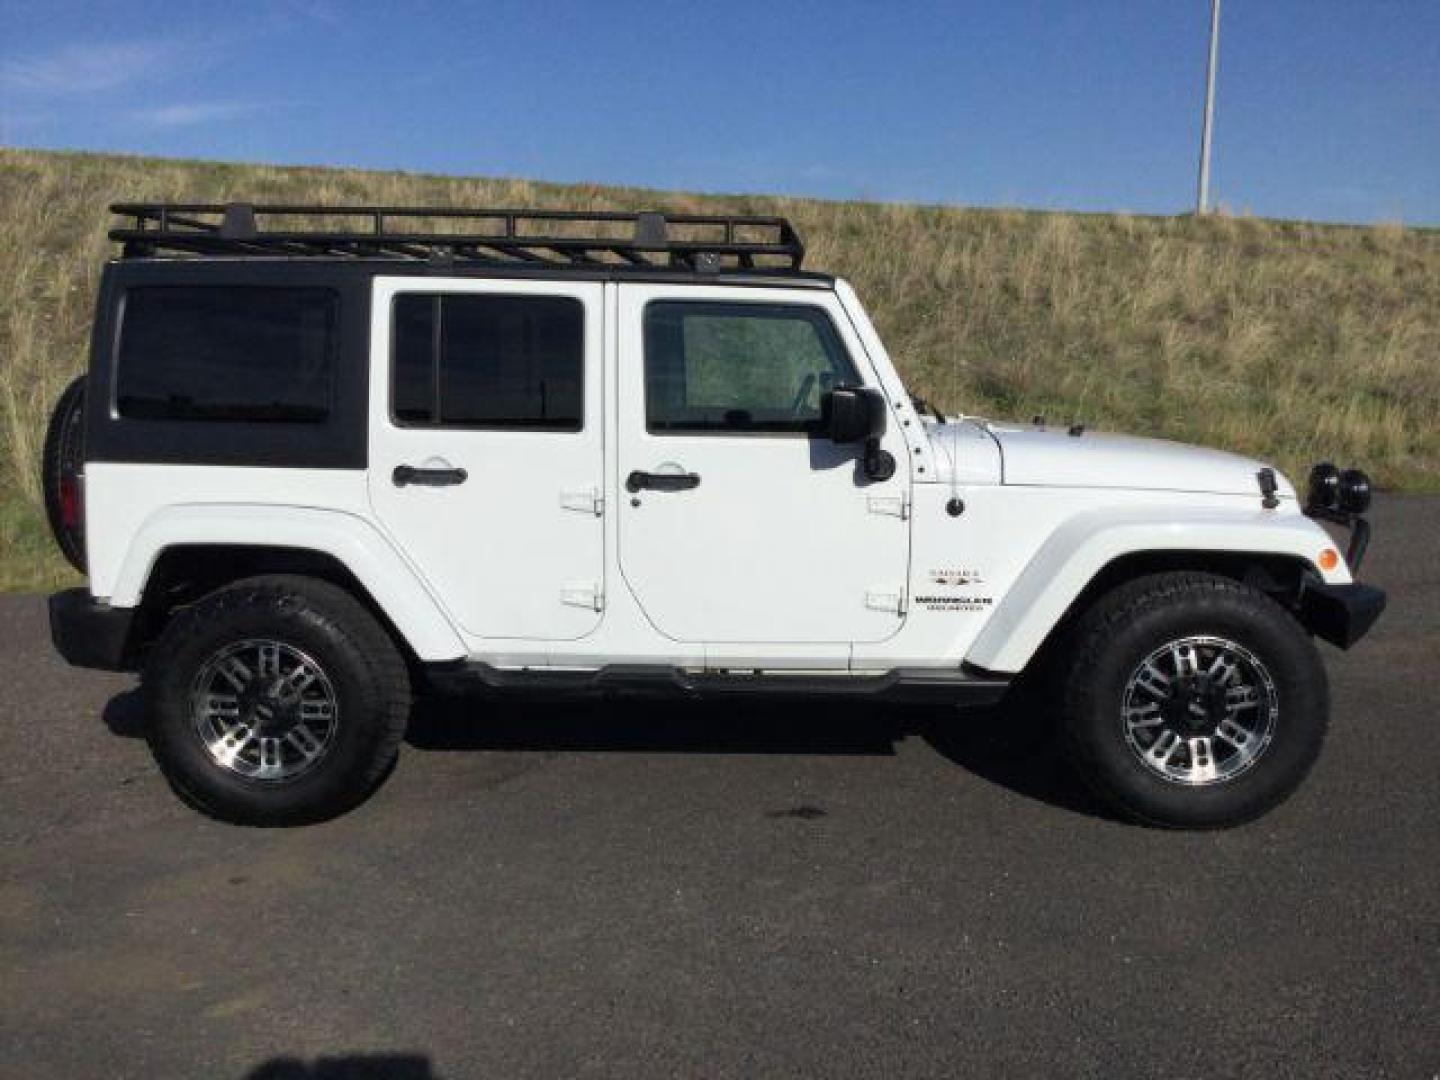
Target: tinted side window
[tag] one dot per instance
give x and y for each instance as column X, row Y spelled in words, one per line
column 739, row 367
column 417, row 324
column 240, row 354
column 495, row 362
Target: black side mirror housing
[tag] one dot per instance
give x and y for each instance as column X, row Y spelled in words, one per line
column 852, row 414
column 856, row 414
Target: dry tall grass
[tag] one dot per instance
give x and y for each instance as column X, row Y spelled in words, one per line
column 1289, row 341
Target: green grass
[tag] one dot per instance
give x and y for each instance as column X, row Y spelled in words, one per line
column 1290, row 341
column 28, row 559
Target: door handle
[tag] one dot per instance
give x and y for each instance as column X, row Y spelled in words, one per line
column 409, row 474
column 638, row 481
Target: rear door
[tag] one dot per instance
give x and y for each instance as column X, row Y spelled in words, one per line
column 747, row 526
column 487, row 448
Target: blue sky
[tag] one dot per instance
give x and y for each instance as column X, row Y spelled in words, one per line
column 1327, row 109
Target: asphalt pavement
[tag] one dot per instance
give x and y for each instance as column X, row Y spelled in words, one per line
column 635, row 890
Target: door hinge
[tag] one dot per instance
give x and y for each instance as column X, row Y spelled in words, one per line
column 585, row 594
column 587, row 501
column 894, row 505
column 886, row 600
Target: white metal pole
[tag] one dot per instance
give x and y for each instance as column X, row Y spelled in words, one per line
column 1202, row 201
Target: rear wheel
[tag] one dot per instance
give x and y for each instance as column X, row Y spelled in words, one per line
column 276, row 701
column 1192, row 700
column 62, row 461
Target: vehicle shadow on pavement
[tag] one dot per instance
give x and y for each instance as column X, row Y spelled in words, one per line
column 350, row 1067
column 124, row 714
column 1011, row 746
column 641, row 726
column 1016, row 748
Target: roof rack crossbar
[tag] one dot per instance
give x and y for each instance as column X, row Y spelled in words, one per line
column 655, row 240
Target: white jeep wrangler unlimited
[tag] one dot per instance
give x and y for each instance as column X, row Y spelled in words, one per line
column 313, row 470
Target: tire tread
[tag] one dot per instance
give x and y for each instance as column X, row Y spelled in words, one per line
column 347, row 617
column 1096, row 630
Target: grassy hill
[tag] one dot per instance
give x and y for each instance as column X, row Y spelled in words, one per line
column 1286, row 340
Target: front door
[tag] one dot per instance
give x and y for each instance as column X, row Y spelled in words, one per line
column 487, row 448
column 740, row 523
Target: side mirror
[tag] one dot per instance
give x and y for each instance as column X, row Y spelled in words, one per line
column 856, row 414
column 852, row 414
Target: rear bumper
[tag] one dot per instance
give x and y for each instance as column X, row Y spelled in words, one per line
column 1341, row 614
column 90, row 634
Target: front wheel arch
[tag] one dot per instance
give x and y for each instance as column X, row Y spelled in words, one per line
column 1280, row 577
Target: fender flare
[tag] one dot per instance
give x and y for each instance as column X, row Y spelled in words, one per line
column 354, row 542
column 1084, row 545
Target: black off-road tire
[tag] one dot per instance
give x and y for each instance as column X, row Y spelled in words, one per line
column 64, row 454
column 361, row 662
column 1123, row 628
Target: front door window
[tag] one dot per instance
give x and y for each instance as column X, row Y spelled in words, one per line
column 739, row 368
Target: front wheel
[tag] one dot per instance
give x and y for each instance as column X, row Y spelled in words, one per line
column 1193, row 701
column 276, row 701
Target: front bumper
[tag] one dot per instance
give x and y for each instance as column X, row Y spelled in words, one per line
column 90, row 634
column 1341, row 614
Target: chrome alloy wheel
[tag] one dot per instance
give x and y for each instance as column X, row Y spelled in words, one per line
column 1199, row 710
column 264, row 709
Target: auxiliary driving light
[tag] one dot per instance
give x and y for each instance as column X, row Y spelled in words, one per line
column 1324, row 486
column 1354, row 491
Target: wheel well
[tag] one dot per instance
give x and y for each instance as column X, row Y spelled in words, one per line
column 184, row 573
column 1280, row 577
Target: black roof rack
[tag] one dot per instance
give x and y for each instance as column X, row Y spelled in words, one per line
column 648, row 240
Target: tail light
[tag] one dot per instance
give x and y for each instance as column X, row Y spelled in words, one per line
column 71, row 512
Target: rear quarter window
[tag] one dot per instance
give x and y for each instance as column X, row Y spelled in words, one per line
column 245, row 353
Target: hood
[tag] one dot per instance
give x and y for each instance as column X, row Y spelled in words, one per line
column 1051, row 457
